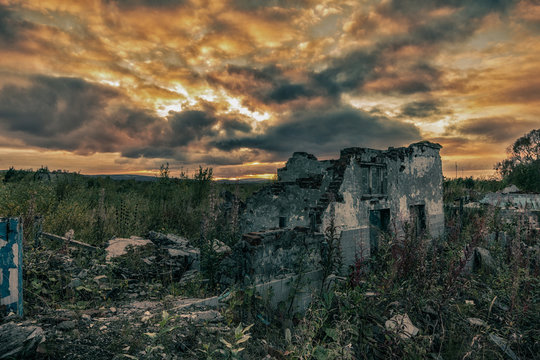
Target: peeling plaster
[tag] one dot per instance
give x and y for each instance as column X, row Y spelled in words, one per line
column 306, row 186
column 11, row 265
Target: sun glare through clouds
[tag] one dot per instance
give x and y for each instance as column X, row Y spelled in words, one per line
column 114, row 86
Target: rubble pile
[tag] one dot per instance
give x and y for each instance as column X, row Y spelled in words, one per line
column 158, row 255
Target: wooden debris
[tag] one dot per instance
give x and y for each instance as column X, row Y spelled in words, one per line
column 70, row 241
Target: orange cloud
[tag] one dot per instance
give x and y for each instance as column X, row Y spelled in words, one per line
column 228, row 83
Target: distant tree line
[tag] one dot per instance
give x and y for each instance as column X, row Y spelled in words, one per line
column 522, row 166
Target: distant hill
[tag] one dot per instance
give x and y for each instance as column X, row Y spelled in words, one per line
column 243, row 181
column 127, row 177
column 119, row 177
column 155, row 178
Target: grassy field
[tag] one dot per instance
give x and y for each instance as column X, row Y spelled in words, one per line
column 98, row 208
column 491, row 313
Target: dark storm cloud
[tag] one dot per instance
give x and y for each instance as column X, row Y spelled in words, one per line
column 422, row 109
column 190, row 125
column 444, row 30
column 411, row 87
column 457, row 26
column 266, row 74
column 268, row 85
column 132, row 121
column 171, row 139
column 254, row 5
column 379, row 66
column 10, row 26
column 358, row 68
column 287, row 92
column 128, row 4
column 349, row 73
column 73, row 114
column 326, row 132
column 230, row 125
column 6, row 30
column 495, row 129
column 150, row 152
column 473, row 8
column 353, row 70
column 52, row 106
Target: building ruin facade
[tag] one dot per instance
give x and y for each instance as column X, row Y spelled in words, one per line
column 365, row 191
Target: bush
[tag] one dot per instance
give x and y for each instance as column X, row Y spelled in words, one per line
column 426, row 280
column 522, row 166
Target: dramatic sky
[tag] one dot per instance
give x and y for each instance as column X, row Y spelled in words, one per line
column 122, row 86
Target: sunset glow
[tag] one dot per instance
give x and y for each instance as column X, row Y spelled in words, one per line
column 118, row 86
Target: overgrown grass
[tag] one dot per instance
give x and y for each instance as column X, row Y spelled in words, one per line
column 469, row 188
column 427, row 280
column 99, row 208
column 411, row 274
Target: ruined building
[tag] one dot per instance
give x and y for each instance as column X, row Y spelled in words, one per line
column 365, row 191
column 372, row 190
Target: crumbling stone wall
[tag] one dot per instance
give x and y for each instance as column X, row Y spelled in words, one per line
column 419, row 181
column 273, row 254
column 291, row 201
column 284, row 266
column 413, row 177
column 302, row 165
column 364, row 191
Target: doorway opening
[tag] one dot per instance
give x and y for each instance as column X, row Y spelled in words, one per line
column 418, row 219
column 379, row 221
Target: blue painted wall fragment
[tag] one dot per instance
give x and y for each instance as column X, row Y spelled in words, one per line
column 11, row 292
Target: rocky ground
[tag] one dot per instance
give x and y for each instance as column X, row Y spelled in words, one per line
column 138, row 329
column 146, row 301
column 471, row 300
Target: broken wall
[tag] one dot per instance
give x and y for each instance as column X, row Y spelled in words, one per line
column 366, row 191
column 284, row 266
column 296, row 199
column 419, row 181
column 291, row 202
column 267, row 255
column 383, row 190
column 513, row 206
column 302, row 165
column 412, row 176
